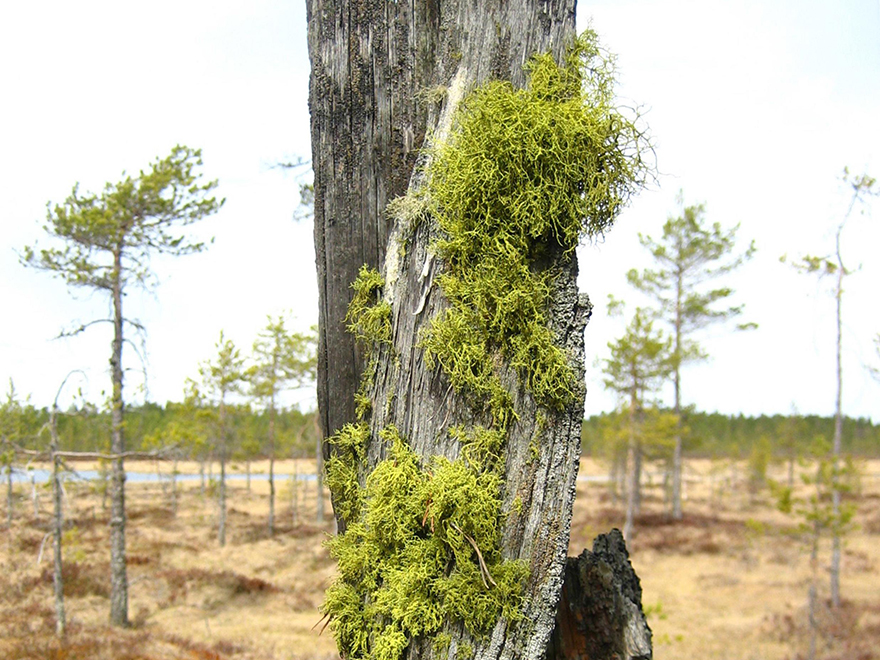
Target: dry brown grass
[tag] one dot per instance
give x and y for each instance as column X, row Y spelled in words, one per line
column 730, row 580
column 727, row 582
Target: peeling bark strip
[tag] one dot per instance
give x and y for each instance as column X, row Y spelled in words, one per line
column 600, row 614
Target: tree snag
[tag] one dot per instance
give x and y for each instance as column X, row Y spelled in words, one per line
column 461, row 151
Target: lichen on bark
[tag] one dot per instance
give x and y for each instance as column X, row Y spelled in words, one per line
column 523, row 176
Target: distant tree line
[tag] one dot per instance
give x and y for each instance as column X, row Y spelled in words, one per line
column 85, row 428
column 714, row 435
column 708, row 435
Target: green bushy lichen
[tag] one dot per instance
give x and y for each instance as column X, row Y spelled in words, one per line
column 465, row 652
column 369, row 320
column 369, row 317
column 442, row 641
column 522, row 170
column 342, row 469
column 420, row 546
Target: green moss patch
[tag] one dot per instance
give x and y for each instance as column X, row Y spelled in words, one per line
column 369, row 317
column 524, row 169
column 369, row 320
column 422, row 545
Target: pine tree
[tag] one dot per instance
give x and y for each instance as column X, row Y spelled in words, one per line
column 107, row 240
column 687, row 256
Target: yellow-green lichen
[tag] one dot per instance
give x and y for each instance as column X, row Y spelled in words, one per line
column 480, row 447
column 524, row 169
column 369, row 317
column 441, row 643
column 517, row 505
column 421, row 545
column 369, row 320
column 349, row 445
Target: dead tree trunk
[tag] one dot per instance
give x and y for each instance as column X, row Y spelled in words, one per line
column 57, row 528
column 375, row 66
column 385, row 76
column 600, row 614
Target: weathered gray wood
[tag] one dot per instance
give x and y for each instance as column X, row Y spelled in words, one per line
column 600, row 614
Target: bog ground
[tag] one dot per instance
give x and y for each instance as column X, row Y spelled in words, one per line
column 728, row 582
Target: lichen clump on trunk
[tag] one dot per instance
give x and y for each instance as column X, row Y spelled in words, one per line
column 524, row 170
column 524, row 176
column 421, row 545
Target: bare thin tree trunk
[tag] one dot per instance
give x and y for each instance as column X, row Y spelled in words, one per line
column 812, row 596
column 159, row 479
column 614, row 478
column 174, row 487
column 272, row 494
column 677, row 513
column 630, row 492
column 632, row 474
column 58, row 520
column 838, row 437
column 272, row 465
column 294, row 495
column 221, row 530
column 637, row 482
column 118, row 575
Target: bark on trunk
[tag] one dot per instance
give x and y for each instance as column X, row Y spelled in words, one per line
column 118, row 575
column 319, row 475
column 374, row 66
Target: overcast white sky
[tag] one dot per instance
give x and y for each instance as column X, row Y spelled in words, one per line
column 755, row 107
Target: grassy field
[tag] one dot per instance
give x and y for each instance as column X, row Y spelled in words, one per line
column 728, row 582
